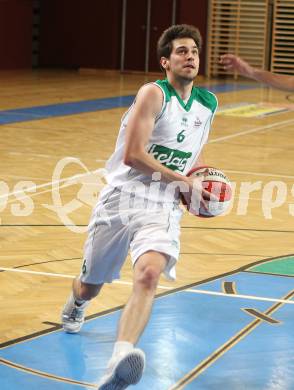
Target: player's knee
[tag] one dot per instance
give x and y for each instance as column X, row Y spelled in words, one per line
column 149, row 277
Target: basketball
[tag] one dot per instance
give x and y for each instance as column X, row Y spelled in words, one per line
column 215, row 182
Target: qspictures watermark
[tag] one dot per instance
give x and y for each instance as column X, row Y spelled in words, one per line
column 20, row 200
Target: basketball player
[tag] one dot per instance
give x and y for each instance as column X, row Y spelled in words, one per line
column 160, row 140
column 232, row 62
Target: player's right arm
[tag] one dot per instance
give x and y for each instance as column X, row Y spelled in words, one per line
column 138, row 132
column 140, row 125
column 235, row 63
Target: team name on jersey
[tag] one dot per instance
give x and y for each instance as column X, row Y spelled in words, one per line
column 171, row 158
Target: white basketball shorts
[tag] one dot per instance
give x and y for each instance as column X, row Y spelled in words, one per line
column 119, row 224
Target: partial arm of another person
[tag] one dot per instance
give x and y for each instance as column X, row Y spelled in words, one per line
column 235, row 63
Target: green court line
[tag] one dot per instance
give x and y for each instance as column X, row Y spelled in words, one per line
column 281, row 266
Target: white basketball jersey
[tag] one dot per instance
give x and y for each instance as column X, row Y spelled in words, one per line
column 180, row 131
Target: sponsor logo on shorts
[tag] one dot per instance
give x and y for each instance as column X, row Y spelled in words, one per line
column 172, row 158
column 175, row 243
column 84, row 267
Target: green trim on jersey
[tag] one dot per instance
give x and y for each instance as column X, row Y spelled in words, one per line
column 201, row 95
column 206, row 98
column 164, row 84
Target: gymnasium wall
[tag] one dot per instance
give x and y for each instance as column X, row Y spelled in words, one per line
column 80, row 33
column 195, row 13
column 87, row 33
column 156, row 16
column 16, row 24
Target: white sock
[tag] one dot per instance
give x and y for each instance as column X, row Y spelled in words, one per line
column 121, row 348
column 78, row 301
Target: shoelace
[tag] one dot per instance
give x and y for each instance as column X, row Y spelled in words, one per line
column 76, row 314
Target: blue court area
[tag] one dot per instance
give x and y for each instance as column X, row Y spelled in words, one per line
column 80, row 107
column 194, row 341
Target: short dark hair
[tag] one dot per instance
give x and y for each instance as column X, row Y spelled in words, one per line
column 165, row 42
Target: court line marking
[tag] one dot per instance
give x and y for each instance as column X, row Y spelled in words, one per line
column 254, row 130
column 25, row 177
column 229, row 287
column 43, row 374
column 224, row 348
column 260, row 174
column 194, row 291
column 262, row 316
column 36, row 273
column 240, row 296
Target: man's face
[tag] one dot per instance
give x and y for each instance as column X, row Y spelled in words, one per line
column 184, row 59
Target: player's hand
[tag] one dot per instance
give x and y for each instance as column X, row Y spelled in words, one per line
column 235, row 63
column 197, row 195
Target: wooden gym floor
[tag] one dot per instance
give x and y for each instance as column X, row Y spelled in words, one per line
column 51, row 158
